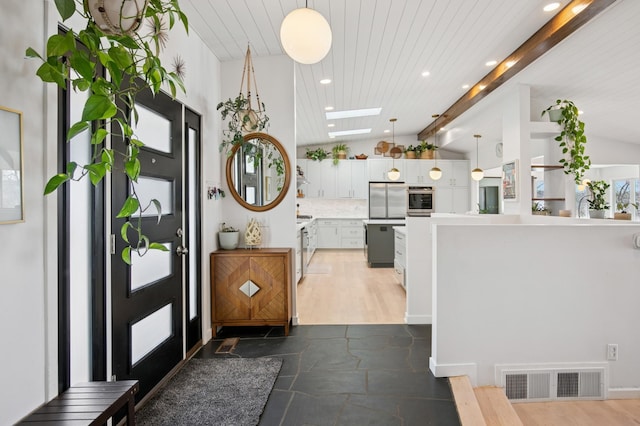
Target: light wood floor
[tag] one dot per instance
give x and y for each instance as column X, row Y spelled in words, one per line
column 614, row 412
column 347, row 291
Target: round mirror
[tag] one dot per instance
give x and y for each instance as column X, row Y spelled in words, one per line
column 258, row 172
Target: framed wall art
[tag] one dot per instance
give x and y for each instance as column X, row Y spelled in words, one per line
column 11, row 176
column 510, row 180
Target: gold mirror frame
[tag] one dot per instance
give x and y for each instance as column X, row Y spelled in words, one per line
column 287, row 173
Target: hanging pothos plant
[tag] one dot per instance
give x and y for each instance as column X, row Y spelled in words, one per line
column 242, row 117
column 133, row 63
column 572, row 139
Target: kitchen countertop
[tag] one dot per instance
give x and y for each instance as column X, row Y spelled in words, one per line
column 384, row 221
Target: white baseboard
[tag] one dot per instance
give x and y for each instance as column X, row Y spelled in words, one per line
column 295, row 320
column 418, row 319
column 451, row 370
column 623, row 393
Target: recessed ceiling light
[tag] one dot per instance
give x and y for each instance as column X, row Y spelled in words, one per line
column 349, row 132
column 465, row 86
column 509, row 64
column 490, row 63
column 551, row 7
column 426, row 73
column 331, row 125
column 387, row 131
column 325, row 81
column 328, row 108
column 353, row 113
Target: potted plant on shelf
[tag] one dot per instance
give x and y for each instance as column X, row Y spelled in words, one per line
column 538, row 208
column 623, row 203
column 572, row 138
column 426, row 150
column 229, row 237
column 598, row 202
column 317, row 154
column 74, row 60
column 339, row 152
column 410, row 152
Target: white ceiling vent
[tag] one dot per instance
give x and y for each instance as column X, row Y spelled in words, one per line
column 553, row 384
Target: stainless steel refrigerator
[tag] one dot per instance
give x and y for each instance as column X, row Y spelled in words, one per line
column 387, row 200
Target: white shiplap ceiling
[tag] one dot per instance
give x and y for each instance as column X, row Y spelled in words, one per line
column 381, row 48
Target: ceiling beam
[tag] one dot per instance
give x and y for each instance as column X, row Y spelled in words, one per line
column 561, row 26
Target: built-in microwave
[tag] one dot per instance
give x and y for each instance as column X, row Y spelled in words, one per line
column 420, row 200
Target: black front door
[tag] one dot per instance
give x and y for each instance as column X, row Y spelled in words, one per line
column 147, row 301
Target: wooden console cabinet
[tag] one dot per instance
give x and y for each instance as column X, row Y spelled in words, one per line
column 251, row 287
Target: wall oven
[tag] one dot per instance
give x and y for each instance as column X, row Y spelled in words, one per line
column 420, row 200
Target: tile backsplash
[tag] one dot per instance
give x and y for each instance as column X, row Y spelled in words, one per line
column 333, row 208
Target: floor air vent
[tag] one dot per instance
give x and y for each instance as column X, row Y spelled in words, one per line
column 545, row 385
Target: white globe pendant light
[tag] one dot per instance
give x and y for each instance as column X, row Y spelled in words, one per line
column 435, row 173
column 477, row 173
column 305, row 36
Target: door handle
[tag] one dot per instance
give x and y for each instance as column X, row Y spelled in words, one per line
column 181, row 250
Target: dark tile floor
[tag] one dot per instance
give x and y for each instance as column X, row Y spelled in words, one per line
column 347, row 374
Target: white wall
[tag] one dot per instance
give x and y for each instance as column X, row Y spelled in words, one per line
column 525, row 294
column 28, row 307
column 275, row 80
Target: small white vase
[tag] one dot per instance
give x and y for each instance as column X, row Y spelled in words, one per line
column 229, row 240
column 596, row 214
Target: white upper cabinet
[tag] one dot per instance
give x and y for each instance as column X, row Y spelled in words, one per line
column 322, row 177
column 417, row 172
column 454, row 173
column 352, row 179
column 379, row 167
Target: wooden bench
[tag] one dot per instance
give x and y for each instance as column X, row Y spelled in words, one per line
column 90, row 403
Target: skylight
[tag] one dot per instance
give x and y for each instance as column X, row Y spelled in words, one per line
column 349, row 132
column 353, row 113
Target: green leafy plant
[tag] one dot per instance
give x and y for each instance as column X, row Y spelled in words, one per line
column 598, row 190
column 338, row 149
column 317, row 154
column 71, row 60
column 225, row 228
column 410, row 148
column 425, row 146
column 623, row 199
column 539, row 208
column 572, row 139
column 242, row 119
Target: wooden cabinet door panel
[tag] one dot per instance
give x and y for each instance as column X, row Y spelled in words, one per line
column 230, row 273
column 269, row 303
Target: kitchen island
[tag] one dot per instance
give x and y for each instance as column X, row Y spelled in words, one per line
column 379, row 241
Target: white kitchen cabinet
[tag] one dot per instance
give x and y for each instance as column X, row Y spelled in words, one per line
column 340, row 233
column 352, row 181
column 351, row 233
column 379, row 167
column 400, row 257
column 452, row 199
column 454, row 173
column 417, row 172
column 298, row 252
column 328, row 236
column 322, row 177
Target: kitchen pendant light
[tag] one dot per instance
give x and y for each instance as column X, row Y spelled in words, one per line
column 477, row 173
column 435, row 173
column 305, row 35
column 393, row 174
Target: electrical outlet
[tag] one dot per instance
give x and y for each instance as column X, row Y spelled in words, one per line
column 612, row 352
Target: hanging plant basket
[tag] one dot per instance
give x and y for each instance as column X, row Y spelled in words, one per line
column 117, row 17
column 243, row 117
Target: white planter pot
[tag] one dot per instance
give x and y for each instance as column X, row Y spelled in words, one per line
column 229, row 240
column 596, row 214
column 117, row 17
